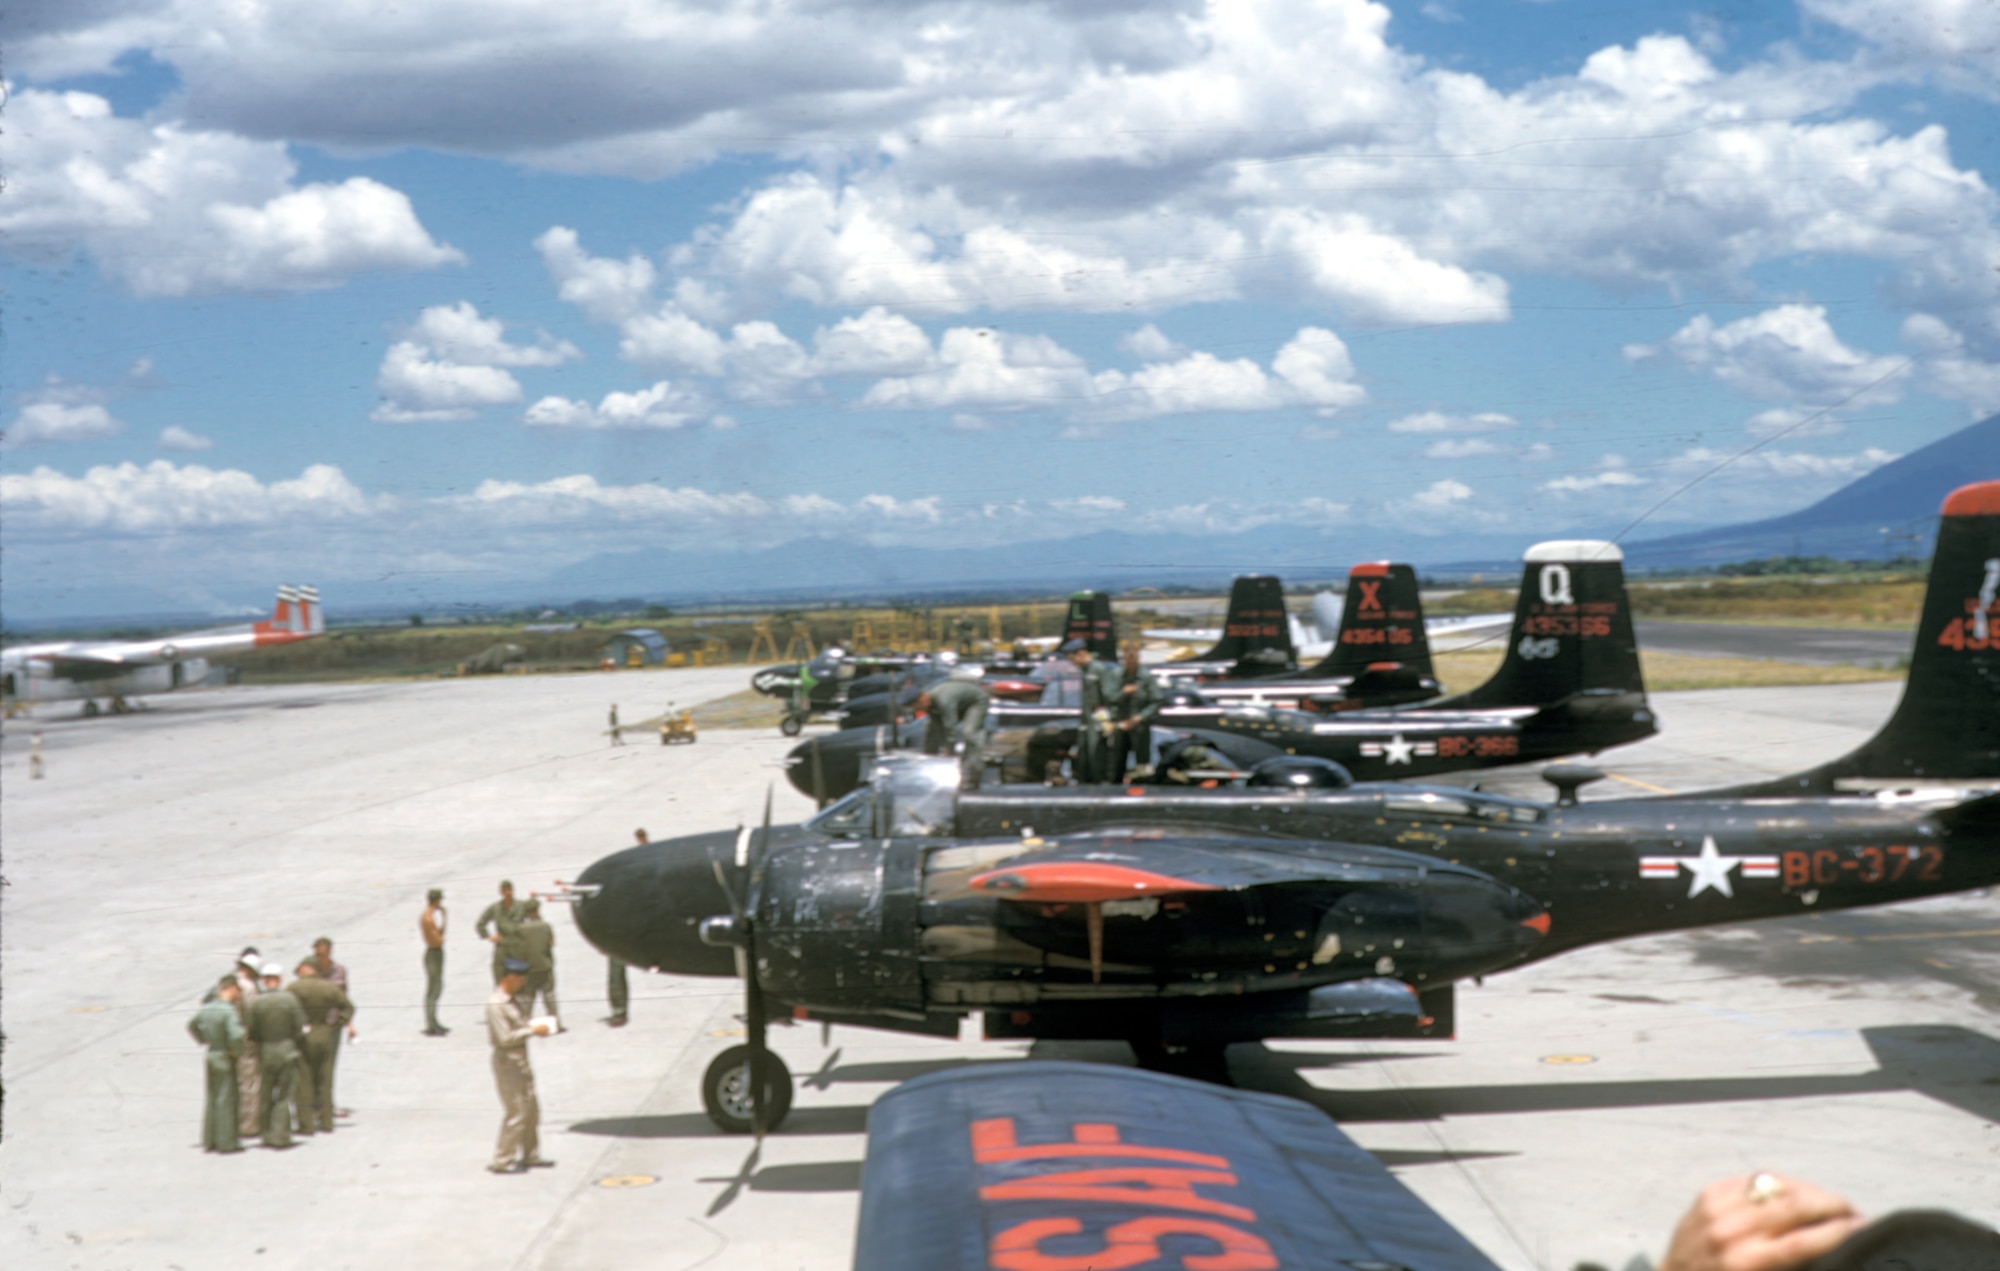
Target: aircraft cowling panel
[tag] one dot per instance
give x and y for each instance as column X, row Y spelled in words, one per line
column 836, row 926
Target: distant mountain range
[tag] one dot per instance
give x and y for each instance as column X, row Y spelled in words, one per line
column 1892, row 511
column 1900, row 497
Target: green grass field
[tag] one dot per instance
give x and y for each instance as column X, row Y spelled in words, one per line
column 428, row 651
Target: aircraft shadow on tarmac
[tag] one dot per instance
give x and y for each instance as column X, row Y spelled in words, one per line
column 1952, row 1065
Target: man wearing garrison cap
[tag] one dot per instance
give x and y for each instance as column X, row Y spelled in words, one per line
column 508, row 1028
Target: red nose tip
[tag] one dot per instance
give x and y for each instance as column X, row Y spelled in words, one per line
column 1540, row 923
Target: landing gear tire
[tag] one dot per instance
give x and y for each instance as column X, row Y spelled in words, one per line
column 725, row 1090
column 1203, row 1061
column 89, row 709
column 792, row 724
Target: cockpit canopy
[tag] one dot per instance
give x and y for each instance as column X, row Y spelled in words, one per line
column 906, row 796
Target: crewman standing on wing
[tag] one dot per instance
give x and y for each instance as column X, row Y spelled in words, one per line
column 956, row 718
column 1095, row 718
column 1134, row 709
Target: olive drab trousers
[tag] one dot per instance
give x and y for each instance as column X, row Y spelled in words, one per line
column 521, row 1115
column 279, row 1074
column 219, row 1121
column 249, row 1085
column 315, row 1082
column 433, row 985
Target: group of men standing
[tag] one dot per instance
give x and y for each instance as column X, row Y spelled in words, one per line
column 1119, row 703
column 1115, row 721
column 272, row 1049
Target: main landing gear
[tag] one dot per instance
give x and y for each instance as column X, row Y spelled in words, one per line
column 726, row 1091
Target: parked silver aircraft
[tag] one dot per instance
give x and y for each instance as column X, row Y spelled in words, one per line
column 114, row 670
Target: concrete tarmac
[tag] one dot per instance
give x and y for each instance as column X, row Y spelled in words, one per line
column 1822, row 645
column 1581, row 1107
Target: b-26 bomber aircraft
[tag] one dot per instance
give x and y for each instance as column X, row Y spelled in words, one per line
column 1182, row 920
column 1569, row 682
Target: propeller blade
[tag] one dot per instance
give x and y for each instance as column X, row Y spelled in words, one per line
column 753, row 993
column 722, row 881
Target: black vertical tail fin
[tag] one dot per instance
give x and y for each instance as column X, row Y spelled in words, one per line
column 1572, row 629
column 1381, row 622
column 1090, row 621
column 1947, row 725
column 1256, row 629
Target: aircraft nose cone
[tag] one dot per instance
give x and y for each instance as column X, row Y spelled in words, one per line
column 650, row 901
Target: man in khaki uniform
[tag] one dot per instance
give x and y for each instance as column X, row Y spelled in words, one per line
column 327, row 1010
column 249, row 972
column 508, row 1029
column 538, row 949
column 504, row 917
column 277, row 1025
column 217, row 1026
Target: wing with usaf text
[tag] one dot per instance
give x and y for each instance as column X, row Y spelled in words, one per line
column 1049, row 1166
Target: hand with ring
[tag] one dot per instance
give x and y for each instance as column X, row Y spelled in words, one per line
column 1761, row 1222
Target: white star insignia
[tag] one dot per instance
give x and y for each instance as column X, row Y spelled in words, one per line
column 1710, row 869
column 1398, row 750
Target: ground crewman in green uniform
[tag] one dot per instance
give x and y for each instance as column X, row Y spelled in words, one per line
column 277, row 1025
column 327, row 1011
column 955, row 713
column 1133, row 710
column 1095, row 720
column 217, row 1026
column 504, row 917
column 537, row 940
column 431, row 923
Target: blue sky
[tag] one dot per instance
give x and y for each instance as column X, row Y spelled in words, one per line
column 326, row 292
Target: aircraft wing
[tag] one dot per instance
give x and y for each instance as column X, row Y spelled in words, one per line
column 81, row 665
column 1132, row 864
column 1070, row 1165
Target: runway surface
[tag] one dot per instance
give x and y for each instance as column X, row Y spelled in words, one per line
column 1825, row 645
column 1583, row 1104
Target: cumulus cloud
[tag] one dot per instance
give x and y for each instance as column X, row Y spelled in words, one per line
column 457, row 333
column 175, row 437
column 173, row 211
column 1949, row 370
column 47, row 422
column 1731, row 485
column 1432, row 421
column 1468, row 448
column 1789, row 353
column 875, row 342
column 983, row 369
column 1440, row 496
column 1958, row 41
column 1615, row 478
column 162, row 496
column 1150, row 344
column 417, row 388
column 659, row 408
column 448, row 366
column 59, row 411
column 1135, row 158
